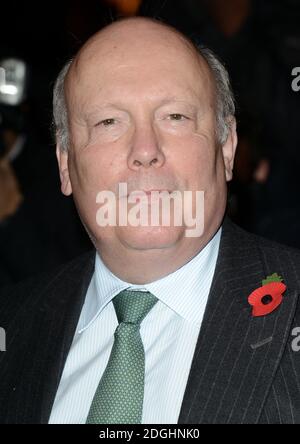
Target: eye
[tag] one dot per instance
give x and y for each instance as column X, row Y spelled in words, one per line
column 177, row 116
column 106, row 122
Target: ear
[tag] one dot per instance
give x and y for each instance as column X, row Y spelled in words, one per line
column 62, row 159
column 229, row 148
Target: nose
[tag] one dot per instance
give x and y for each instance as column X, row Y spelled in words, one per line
column 145, row 148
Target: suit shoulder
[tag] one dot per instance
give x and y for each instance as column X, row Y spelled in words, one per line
column 27, row 293
column 272, row 247
column 244, row 238
column 275, row 257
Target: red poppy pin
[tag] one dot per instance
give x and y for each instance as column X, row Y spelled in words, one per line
column 268, row 297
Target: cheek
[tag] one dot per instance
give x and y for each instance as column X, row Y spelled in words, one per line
column 94, row 163
column 194, row 159
column 97, row 168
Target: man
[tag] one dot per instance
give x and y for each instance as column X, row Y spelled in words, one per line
column 140, row 106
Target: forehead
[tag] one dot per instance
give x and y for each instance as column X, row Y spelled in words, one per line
column 137, row 63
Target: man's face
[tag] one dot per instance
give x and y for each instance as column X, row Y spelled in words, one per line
column 141, row 112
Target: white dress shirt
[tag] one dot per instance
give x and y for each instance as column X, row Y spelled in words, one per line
column 169, row 333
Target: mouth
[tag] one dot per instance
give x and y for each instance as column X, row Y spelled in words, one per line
column 152, row 194
column 148, row 192
column 143, row 192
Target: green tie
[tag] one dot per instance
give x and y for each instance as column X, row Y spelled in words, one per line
column 120, row 393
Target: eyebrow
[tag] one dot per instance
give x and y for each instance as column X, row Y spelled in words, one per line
column 121, row 106
column 176, row 100
column 90, row 112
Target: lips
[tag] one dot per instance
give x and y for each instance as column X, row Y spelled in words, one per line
column 148, row 192
column 153, row 194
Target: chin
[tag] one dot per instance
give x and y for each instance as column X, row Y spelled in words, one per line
column 144, row 238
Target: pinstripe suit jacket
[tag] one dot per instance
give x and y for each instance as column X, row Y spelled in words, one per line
column 244, row 369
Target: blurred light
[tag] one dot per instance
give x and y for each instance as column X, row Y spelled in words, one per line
column 13, row 81
column 8, row 89
column 126, row 7
column 2, row 76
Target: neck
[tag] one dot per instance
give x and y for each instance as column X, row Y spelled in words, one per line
column 145, row 266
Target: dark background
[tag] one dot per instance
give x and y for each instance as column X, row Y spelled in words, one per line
column 259, row 42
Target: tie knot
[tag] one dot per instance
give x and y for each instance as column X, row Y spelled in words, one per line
column 132, row 306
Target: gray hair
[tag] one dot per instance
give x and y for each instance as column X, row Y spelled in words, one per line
column 225, row 106
column 60, row 113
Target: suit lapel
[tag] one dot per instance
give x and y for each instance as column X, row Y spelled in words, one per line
column 40, row 358
column 237, row 355
column 74, row 289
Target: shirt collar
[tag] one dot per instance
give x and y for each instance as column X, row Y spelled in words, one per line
column 183, row 291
